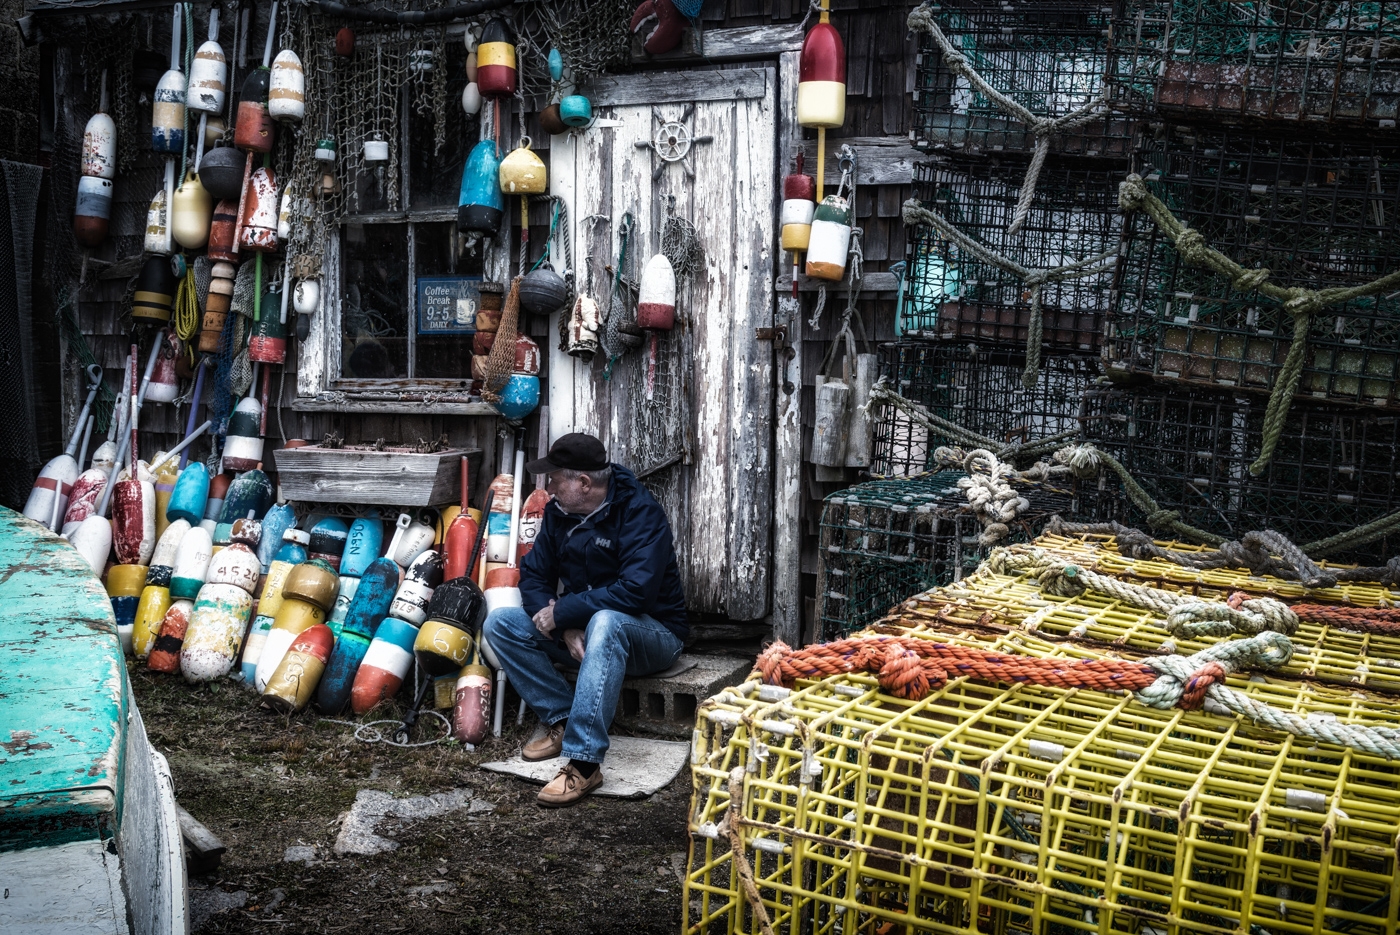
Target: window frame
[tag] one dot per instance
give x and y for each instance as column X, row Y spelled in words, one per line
column 320, row 386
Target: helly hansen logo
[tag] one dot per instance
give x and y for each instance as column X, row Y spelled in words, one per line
column 602, row 543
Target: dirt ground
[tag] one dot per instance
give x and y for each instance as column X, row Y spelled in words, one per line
column 264, row 782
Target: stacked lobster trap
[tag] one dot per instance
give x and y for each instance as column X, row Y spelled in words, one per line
column 1255, row 316
column 1013, row 231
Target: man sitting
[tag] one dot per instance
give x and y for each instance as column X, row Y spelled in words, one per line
column 601, row 589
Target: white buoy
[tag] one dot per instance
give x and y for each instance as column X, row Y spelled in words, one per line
column 48, row 500
column 191, row 564
column 286, row 100
column 208, row 85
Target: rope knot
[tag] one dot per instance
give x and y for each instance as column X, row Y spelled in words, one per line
column 1082, row 460
column 1250, row 279
column 1192, row 247
column 1132, row 192
column 1303, row 302
column 1193, row 693
column 1061, row 580
column 1162, row 519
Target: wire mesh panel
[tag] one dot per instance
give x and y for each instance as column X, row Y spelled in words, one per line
column 1334, row 468
column 886, row 540
column 1101, row 552
column 1026, row 809
column 1049, row 58
column 977, row 389
column 1313, row 214
column 949, row 293
column 1275, row 60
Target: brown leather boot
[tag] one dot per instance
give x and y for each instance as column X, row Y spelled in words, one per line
column 547, row 747
column 569, row 787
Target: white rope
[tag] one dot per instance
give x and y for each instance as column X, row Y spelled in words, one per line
column 1041, row 127
column 1186, row 615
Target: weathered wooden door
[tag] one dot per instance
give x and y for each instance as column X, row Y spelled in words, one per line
column 695, row 417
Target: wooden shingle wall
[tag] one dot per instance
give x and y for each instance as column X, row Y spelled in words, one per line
column 880, row 61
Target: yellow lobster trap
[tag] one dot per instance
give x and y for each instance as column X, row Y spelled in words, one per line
column 1030, row 809
column 994, row 804
column 1113, row 621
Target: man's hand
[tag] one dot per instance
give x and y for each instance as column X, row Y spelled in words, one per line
column 574, row 639
column 544, row 620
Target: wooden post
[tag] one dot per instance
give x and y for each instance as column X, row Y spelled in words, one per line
column 862, row 430
column 787, row 408
column 829, row 432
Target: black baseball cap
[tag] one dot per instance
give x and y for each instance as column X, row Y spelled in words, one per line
column 576, row 451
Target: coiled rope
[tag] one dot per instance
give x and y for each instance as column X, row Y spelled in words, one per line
column 1301, row 303
column 1186, row 616
column 912, row 668
column 917, row 213
column 1042, row 128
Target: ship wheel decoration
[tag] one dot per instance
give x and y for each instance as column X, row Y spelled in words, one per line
column 673, row 142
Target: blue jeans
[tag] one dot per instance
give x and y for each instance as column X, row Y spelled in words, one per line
column 616, row 645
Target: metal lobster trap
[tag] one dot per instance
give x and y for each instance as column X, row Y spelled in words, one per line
column 984, row 808
column 884, row 541
column 952, row 292
column 978, row 388
column 1333, row 470
column 1050, row 59
column 1298, row 61
column 1298, row 212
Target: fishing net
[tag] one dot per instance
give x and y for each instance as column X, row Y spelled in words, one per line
column 592, row 37
column 659, row 399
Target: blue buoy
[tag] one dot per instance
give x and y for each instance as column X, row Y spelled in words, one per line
column 367, row 611
column 519, row 397
column 362, row 546
column 480, row 206
column 191, row 493
column 274, row 525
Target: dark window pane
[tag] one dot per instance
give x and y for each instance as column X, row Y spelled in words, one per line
column 442, row 355
column 435, row 174
column 374, row 305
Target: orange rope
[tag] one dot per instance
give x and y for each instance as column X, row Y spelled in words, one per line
column 1365, row 619
column 911, row 668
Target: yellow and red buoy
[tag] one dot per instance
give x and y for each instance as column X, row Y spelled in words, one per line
column 496, row 74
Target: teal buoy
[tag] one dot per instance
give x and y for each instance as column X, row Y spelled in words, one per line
column 250, row 492
column 480, row 206
column 367, row 610
column 576, row 110
column 191, row 492
column 362, row 546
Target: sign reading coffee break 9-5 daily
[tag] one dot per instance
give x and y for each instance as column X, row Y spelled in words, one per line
column 448, row 304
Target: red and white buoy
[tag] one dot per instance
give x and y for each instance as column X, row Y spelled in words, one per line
column 93, row 212
column 134, row 496
column 656, row 297
column 48, row 500
column 257, row 229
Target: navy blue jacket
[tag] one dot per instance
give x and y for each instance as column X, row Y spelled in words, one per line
column 619, row 557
